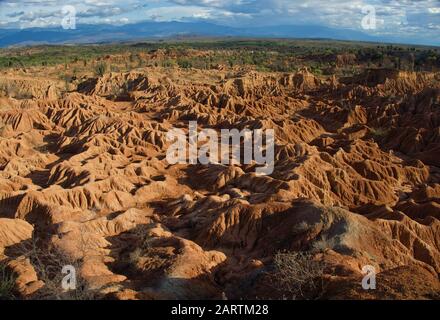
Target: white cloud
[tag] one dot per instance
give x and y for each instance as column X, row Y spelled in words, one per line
column 398, row 17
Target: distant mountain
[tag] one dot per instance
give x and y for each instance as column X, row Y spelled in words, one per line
column 151, row 29
column 99, row 33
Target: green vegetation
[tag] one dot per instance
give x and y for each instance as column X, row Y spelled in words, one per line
column 379, row 132
column 322, row 56
column 100, row 69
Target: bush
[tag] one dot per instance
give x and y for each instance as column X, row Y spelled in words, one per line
column 48, row 262
column 379, row 132
column 298, row 275
column 325, row 243
column 185, row 64
column 167, row 63
column 100, row 69
column 7, row 283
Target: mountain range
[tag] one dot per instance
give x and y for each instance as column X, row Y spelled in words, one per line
column 87, row 33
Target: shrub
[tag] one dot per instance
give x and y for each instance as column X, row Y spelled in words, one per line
column 100, row 69
column 379, row 132
column 135, row 255
column 7, row 283
column 298, row 275
column 48, row 262
column 185, row 64
column 324, row 243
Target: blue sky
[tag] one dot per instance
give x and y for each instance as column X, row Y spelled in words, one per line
column 393, row 17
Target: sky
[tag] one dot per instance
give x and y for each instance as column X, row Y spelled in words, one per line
column 392, row 17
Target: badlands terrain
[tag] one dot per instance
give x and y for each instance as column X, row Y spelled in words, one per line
column 84, row 181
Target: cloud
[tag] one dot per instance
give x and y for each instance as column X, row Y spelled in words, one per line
column 434, row 10
column 394, row 17
column 15, row 14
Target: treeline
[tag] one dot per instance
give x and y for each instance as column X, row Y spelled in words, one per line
column 322, row 56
